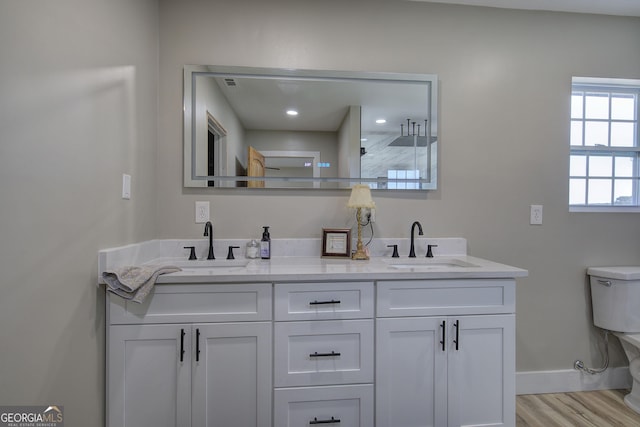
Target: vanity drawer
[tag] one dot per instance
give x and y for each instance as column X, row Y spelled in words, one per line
column 186, row 303
column 323, row 352
column 344, row 406
column 314, row 301
column 445, row 297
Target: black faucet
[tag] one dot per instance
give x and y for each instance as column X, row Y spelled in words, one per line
column 208, row 231
column 412, row 251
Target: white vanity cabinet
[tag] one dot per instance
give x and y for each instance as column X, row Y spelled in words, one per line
column 324, row 354
column 445, row 353
column 191, row 355
column 381, row 352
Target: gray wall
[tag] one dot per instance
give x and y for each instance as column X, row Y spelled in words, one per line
column 78, row 108
column 82, row 102
column 505, row 79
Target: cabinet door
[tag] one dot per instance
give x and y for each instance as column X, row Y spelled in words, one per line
column 411, row 373
column 232, row 374
column 147, row 382
column 482, row 370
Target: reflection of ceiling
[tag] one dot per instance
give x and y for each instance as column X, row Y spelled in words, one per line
column 603, row 7
column 322, row 104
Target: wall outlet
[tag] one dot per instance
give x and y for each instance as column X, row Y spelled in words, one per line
column 202, row 212
column 536, row 215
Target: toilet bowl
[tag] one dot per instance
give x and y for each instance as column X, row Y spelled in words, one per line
column 631, row 345
column 615, row 297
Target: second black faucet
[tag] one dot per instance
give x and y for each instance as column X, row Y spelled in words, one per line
column 208, row 231
column 412, row 251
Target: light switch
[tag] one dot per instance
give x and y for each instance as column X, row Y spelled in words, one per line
column 126, row 186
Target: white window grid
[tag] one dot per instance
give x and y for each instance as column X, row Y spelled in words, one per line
column 605, row 156
column 403, row 174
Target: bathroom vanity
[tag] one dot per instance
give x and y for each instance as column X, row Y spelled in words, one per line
column 303, row 341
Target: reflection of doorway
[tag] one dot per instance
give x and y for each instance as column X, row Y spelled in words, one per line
column 255, row 167
column 216, row 148
column 293, row 164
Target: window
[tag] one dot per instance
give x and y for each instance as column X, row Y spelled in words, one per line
column 605, row 157
column 403, row 174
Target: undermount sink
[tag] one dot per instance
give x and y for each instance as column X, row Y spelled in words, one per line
column 427, row 263
column 210, row 263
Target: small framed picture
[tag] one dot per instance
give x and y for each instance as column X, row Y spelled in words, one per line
column 336, row 242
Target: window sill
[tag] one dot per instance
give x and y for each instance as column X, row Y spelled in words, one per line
column 614, row 209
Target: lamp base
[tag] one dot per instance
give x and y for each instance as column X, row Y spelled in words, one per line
column 360, row 254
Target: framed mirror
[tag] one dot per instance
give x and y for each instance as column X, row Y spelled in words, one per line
column 277, row 128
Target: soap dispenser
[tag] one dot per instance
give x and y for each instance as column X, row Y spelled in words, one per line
column 265, row 244
column 253, row 249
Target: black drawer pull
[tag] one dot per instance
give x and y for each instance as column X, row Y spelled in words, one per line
column 331, row 421
column 182, row 345
column 457, row 340
column 324, row 302
column 316, row 354
column 197, row 345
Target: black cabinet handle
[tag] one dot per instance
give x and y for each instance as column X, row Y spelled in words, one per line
column 457, row 326
column 324, row 302
column 316, row 354
column 443, row 326
column 181, row 345
column 197, row 345
column 331, row 421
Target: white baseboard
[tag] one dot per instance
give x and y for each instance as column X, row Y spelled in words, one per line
column 537, row 382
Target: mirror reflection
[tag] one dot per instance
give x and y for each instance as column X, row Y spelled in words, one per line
column 269, row 128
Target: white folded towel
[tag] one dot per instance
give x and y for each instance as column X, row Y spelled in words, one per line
column 135, row 282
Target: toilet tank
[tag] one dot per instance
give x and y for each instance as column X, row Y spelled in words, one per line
column 615, row 297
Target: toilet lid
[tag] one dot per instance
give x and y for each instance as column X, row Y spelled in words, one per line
column 619, row 273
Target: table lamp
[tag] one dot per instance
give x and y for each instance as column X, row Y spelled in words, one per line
column 360, row 198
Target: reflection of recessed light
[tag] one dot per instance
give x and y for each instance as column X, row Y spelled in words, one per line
column 381, row 121
column 292, row 112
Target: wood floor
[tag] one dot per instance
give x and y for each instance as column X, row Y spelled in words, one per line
column 601, row 408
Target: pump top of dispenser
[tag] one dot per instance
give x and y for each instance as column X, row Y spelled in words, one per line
column 265, row 233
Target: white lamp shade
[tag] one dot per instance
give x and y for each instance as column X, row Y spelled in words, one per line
column 361, row 197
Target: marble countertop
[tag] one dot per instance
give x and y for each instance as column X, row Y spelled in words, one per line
column 283, row 269
column 300, row 260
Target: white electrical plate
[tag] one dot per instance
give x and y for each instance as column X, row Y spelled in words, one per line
column 536, row 215
column 126, row 186
column 202, row 212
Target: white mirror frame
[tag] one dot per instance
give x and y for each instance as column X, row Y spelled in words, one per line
column 192, row 179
